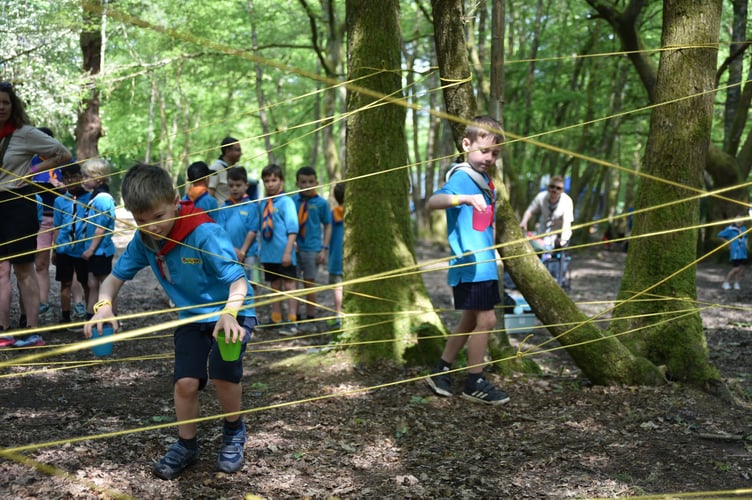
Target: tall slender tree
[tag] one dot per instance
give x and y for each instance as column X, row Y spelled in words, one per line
column 384, row 311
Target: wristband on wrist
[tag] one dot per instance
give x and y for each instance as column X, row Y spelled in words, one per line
column 455, row 200
column 325, row 247
column 231, row 312
column 102, row 303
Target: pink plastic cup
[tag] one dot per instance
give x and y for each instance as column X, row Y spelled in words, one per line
column 483, row 219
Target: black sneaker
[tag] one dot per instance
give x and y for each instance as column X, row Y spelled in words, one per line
column 481, row 390
column 441, row 382
column 175, row 461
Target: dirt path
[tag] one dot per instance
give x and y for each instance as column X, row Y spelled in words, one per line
column 317, row 432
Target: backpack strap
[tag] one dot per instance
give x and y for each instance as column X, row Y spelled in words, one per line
column 476, row 177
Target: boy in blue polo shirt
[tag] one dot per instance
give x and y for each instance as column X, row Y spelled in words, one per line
column 278, row 227
column 198, row 175
column 314, row 232
column 194, row 261
column 240, row 218
column 99, row 223
column 473, row 276
column 70, row 211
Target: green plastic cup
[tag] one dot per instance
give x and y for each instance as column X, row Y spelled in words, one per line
column 230, row 351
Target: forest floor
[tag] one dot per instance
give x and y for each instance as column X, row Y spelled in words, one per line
column 86, row 427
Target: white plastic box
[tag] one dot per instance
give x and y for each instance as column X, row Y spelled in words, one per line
column 523, row 322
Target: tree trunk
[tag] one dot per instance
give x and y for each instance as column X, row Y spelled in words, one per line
column 668, row 328
column 451, row 51
column 89, row 125
column 384, row 303
column 260, row 99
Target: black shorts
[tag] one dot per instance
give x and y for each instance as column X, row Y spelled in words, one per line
column 274, row 272
column 738, row 262
column 99, row 265
column 478, row 296
column 65, row 265
column 19, row 226
column 194, row 346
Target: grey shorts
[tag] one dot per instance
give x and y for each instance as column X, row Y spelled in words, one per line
column 335, row 278
column 309, row 269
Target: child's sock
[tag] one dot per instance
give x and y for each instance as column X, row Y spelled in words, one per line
column 66, row 316
column 443, row 364
column 233, row 426
column 276, row 317
column 191, row 444
column 292, row 318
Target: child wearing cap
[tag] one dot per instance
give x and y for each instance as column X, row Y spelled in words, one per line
column 198, row 175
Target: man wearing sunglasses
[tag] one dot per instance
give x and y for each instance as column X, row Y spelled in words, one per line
column 556, row 212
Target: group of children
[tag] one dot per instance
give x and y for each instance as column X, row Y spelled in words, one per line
column 286, row 236
column 203, row 258
column 80, row 235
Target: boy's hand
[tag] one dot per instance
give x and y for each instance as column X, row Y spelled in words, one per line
column 239, row 255
column 287, row 259
column 233, row 330
column 477, row 201
column 103, row 315
column 321, row 257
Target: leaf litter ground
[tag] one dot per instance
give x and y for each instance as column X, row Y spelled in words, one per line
column 557, row 438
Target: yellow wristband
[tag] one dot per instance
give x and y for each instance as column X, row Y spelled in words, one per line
column 231, row 312
column 455, row 200
column 99, row 305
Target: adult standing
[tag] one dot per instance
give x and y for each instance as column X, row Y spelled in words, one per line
column 556, row 211
column 19, row 142
column 230, row 155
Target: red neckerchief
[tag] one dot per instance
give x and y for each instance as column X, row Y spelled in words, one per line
column 493, row 191
column 189, row 218
column 7, row 130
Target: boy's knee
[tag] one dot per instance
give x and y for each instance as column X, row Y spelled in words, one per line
column 186, row 386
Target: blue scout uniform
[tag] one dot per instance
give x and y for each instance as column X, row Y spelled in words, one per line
column 237, row 218
column 100, row 212
column 283, row 218
column 70, row 211
column 310, row 237
column 480, row 263
column 195, row 274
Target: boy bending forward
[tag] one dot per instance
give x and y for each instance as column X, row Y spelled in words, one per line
column 194, row 261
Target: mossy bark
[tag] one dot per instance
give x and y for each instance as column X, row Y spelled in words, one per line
column 602, row 358
column 386, row 299
column 660, row 319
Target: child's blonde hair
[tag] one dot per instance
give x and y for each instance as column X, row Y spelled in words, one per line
column 97, row 168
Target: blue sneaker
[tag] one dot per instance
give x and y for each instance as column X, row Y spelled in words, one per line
column 175, row 461
column 30, row 341
column 79, row 310
column 230, row 458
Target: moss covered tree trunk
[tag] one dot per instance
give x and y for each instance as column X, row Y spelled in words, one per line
column 659, row 272
column 603, row 359
column 384, row 304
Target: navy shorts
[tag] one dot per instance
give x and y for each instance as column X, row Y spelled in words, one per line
column 194, row 346
column 19, row 226
column 478, row 296
column 738, row 262
column 100, row 265
column 274, row 272
column 65, row 265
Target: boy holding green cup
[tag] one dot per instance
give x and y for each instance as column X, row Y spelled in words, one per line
column 194, row 260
